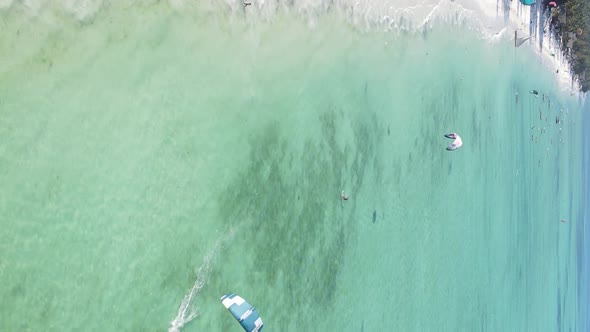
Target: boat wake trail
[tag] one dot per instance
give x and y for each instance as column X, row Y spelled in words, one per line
column 187, row 311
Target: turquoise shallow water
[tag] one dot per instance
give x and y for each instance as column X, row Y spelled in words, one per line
column 144, row 153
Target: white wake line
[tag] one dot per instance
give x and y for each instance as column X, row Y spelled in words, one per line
column 185, row 315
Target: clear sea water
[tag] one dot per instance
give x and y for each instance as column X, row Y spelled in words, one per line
column 156, row 156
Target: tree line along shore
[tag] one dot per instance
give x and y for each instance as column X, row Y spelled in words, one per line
column 570, row 21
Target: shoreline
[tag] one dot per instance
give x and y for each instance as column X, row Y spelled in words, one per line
column 496, row 18
column 517, row 17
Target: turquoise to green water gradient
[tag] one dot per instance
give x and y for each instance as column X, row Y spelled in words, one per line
column 141, row 152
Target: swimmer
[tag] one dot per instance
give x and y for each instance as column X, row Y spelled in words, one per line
column 343, row 195
column 457, row 143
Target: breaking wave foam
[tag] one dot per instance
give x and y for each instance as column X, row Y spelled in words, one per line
column 402, row 15
column 391, row 16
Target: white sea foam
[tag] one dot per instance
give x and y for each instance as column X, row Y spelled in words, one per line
column 4, row 4
column 82, row 10
column 495, row 19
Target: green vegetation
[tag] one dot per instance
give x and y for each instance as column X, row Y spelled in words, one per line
column 571, row 20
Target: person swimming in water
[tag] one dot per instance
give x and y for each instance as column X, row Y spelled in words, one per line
column 457, row 143
column 343, row 196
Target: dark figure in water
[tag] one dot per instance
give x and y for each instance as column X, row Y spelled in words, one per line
column 246, row 4
column 535, row 92
column 374, row 216
column 344, row 196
